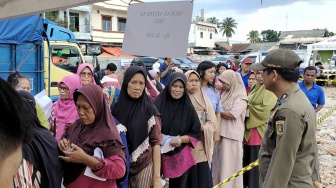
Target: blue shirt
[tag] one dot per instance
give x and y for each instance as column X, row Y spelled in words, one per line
column 245, row 78
column 314, row 94
column 164, row 80
column 214, row 97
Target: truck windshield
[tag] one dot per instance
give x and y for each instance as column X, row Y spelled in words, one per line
column 66, row 57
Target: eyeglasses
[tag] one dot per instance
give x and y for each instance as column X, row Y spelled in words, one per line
column 86, row 74
column 60, row 88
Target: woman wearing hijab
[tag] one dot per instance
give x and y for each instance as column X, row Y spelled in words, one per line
column 180, row 121
column 40, row 166
column 251, row 81
column 64, row 112
column 85, row 72
column 260, row 103
column 204, row 149
column 94, row 155
column 228, row 152
column 142, row 120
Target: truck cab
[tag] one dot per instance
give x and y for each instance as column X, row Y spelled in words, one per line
column 40, row 50
column 62, row 56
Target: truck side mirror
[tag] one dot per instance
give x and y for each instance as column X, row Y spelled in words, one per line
column 53, row 84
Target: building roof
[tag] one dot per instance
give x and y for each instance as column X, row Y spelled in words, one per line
column 307, row 40
column 264, row 46
column 303, row 33
column 223, row 45
column 236, row 48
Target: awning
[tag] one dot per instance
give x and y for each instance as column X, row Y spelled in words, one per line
column 104, row 54
column 115, row 51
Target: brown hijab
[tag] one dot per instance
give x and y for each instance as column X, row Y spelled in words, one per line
column 101, row 133
column 203, row 106
column 237, row 90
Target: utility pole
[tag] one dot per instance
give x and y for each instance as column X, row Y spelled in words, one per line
column 286, row 21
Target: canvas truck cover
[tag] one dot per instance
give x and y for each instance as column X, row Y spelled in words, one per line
column 27, row 29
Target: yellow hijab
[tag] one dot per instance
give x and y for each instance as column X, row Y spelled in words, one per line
column 260, row 103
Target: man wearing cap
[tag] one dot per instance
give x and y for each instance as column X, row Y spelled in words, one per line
column 288, row 155
column 245, row 70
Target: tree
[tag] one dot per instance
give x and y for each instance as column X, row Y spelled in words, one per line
column 213, row 20
column 227, row 27
column 329, row 33
column 253, row 36
column 270, row 35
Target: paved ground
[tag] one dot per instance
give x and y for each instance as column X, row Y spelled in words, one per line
column 326, row 139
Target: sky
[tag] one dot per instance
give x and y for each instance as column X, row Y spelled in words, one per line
column 279, row 15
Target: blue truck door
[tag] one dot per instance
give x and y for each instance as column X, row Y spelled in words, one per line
column 25, row 58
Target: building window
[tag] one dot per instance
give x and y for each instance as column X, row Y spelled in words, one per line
column 210, row 35
column 121, row 24
column 201, row 35
column 74, row 21
column 106, row 23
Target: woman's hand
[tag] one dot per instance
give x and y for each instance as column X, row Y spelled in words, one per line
column 317, row 184
column 64, row 145
column 157, row 182
column 216, row 137
column 74, row 155
column 176, row 144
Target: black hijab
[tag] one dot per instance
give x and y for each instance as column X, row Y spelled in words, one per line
column 42, row 151
column 178, row 115
column 137, row 115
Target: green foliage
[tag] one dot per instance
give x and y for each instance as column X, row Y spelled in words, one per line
column 329, row 33
column 270, row 35
column 213, row 20
column 227, row 27
column 254, row 36
column 50, row 16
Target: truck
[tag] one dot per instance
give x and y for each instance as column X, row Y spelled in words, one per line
column 256, row 57
column 39, row 49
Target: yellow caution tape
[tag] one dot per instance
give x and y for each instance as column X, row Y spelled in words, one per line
column 325, row 80
column 256, row 163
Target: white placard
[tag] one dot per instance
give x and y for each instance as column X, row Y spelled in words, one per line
column 45, row 102
column 159, row 29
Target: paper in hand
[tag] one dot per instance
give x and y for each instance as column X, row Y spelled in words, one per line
column 166, row 147
column 88, row 172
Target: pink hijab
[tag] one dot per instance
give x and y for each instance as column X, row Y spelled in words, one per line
column 65, row 109
column 83, row 66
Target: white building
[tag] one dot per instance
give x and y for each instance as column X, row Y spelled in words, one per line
column 202, row 34
column 109, row 21
column 77, row 19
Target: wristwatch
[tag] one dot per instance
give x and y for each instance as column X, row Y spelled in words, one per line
column 179, row 139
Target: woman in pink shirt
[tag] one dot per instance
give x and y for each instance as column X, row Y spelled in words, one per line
column 92, row 143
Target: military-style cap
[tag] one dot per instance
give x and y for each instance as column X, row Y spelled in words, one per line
column 280, row 59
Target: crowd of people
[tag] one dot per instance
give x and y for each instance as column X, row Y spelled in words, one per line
column 106, row 129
